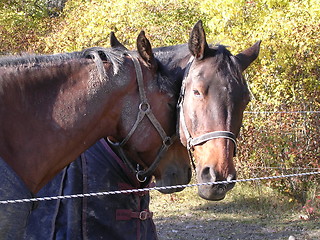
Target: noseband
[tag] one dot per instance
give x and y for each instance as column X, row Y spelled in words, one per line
column 192, row 142
column 144, row 111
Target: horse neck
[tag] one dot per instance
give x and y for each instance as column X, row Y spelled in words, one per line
column 56, row 114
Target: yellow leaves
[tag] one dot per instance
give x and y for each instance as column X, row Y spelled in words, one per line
column 289, row 31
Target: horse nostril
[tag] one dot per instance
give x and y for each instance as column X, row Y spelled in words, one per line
column 208, row 175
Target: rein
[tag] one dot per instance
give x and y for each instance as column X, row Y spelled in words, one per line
column 192, row 142
column 144, row 111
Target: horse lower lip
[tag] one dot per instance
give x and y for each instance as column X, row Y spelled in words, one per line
column 172, row 190
column 220, row 188
column 212, row 195
column 215, row 192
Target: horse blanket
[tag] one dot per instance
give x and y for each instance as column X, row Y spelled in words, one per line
column 13, row 216
column 122, row 216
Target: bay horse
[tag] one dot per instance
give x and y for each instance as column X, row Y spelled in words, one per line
column 54, row 107
column 213, row 97
column 99, row 169
column 110, row 215
column 213, row 81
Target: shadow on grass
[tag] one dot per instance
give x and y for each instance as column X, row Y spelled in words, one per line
column 246, row 213
column 239, row 216
column 195, row 228
column 243, row 206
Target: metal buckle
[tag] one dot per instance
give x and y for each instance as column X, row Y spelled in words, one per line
column 144, row 107
column 189, row 144
column 143, row 215
column 167, row 141
column 138, row 178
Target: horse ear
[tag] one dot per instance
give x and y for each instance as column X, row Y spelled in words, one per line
column 246, row 57
column 197, row 41
column 115, row 43
column 145, row 50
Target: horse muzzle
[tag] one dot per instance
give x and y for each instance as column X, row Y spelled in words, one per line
column 174, row 176
column 216, row 191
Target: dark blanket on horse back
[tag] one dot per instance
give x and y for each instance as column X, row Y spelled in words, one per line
column 13, row 216
column 105, row 217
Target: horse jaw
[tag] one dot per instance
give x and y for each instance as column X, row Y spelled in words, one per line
column 171, row 174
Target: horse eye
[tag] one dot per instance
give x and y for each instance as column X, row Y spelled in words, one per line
column 196, row 93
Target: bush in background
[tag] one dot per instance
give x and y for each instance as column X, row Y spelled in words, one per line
column 22, row 24
column 285, row 77
column 282, row 143
column 89, row 23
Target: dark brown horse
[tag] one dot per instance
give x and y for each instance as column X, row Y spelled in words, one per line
column 213, row 81
column 52, row 108
column 213, row 97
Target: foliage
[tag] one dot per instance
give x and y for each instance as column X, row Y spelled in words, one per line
column 288, row 67
column 88, row 23
column 285, row 77
column 282, row 143
column 287, row 71
column 22, row 23
column 312, row 209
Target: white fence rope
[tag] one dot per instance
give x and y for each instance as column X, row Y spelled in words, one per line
column 96, row 194
column 277, row 112
column 150, row 189
column 284, row 168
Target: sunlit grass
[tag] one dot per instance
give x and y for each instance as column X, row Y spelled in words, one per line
column 254, row 206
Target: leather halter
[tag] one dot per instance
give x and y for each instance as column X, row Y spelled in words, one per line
column 144, row 111
column 191, row 142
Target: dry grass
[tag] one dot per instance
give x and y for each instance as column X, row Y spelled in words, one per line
column 248, row 212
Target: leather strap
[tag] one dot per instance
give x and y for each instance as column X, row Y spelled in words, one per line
column 191, row 142
column 144, row 110
column 127, row 214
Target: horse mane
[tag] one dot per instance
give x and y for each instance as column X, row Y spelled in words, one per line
column 167, row 83
column 98, row 54
column 225, row 60
column 32, row 59
column 115, row 56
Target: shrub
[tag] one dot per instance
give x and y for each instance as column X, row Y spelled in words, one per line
column 285, row 77
column 89, row 23
column 22, row 23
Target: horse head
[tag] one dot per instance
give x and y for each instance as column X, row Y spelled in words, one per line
column 213, row 98
column 148, row 120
